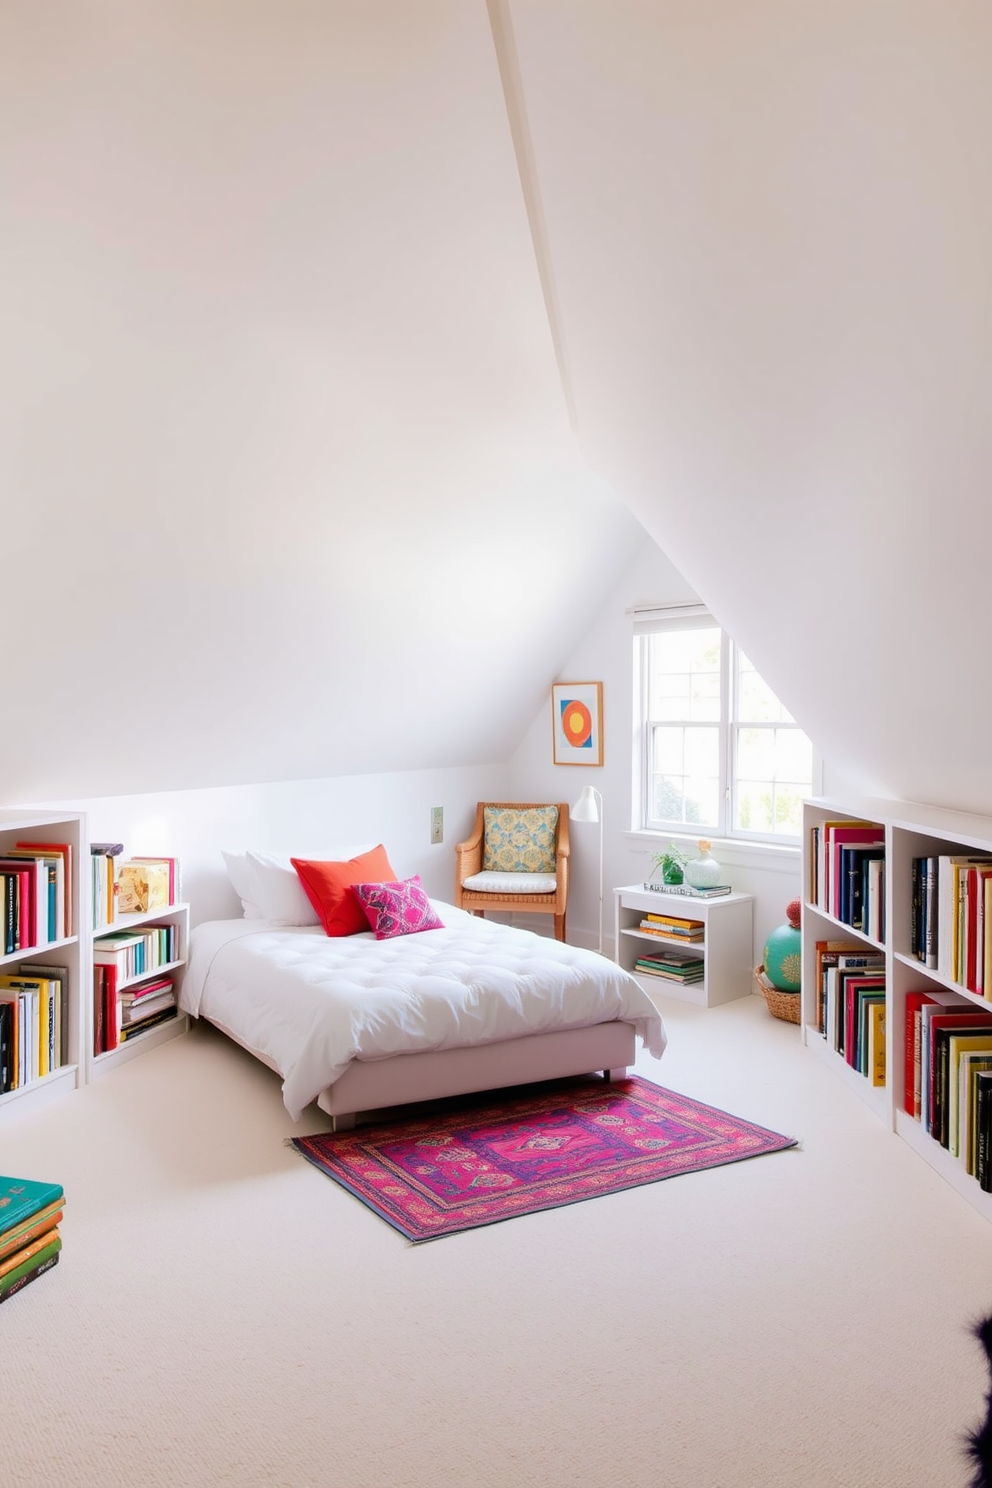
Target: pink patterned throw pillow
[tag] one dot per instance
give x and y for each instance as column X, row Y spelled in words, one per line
column 397, row 908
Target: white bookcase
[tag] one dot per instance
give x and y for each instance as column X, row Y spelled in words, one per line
column 173, row 914
column 74, row 952
column 909, row 831
column 726, row 946
column 68, row 828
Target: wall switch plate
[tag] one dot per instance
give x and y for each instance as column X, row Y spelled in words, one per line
column 437, row 824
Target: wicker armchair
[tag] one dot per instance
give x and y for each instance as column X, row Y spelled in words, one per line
column 510, row 892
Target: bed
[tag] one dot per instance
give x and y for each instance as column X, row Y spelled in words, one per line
column 360, row 1024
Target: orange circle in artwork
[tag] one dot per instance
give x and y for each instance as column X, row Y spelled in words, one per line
column 576, row 722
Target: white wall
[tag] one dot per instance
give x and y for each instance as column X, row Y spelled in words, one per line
column 306, row 818
column 605, row 653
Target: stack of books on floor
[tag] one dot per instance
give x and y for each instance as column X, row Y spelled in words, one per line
column 672, row 964
column 30, row 1214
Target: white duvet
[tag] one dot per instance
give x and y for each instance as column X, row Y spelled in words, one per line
column 307, row 1004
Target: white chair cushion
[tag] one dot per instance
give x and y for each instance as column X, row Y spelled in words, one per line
column 511, row 883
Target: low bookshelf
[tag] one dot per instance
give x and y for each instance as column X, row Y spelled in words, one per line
column 723, row 945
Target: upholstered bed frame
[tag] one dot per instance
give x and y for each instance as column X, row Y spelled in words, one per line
column 374, row 1084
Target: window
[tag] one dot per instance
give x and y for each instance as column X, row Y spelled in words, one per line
column 716, row 752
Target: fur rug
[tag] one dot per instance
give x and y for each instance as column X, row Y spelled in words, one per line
column 978, row 1443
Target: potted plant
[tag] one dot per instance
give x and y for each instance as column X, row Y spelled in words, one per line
column 670, row 863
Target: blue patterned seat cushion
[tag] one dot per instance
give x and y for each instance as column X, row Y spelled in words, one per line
column 519, row 839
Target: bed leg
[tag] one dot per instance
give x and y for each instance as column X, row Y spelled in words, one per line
column 620, row 1073
column 344, row 1122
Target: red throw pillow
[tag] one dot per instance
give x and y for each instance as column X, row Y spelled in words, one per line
column 328, row 887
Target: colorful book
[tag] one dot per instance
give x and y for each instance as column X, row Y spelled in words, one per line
column 23, row 1275
column 58, row 977
column 61, row 850
column 22, row 1197
column 876, row 1042
column 27, row 1251
column 959, row 1045
column 45, row 1219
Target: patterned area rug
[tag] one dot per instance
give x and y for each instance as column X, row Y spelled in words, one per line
column 440, row 1174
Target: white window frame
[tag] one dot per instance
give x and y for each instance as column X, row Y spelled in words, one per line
column 651, row 621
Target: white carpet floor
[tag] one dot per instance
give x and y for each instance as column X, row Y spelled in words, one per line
column 225, row 1314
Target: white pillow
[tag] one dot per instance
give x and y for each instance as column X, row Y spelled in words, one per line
column 276, row 890
column 240, row 875
column 269, row 886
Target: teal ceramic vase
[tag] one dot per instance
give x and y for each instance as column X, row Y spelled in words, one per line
column 783, row 952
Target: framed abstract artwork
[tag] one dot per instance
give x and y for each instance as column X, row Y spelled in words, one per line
column 577, row 722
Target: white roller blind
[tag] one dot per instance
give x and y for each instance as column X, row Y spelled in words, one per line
column 649, row 619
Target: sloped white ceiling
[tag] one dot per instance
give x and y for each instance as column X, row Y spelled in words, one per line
column 771, row 234
column 288, row 482
column 287, row 476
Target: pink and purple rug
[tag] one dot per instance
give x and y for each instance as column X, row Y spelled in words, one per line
column 439, row 1174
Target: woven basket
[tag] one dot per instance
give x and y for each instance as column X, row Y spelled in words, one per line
column 784, row 1005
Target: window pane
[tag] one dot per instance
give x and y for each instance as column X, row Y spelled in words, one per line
column 754, row 806
column 668, row 751
column 685, row 775
column 684, row 675
column 774, row 773
column 756, row 754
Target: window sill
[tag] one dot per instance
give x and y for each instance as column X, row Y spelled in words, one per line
column 735, row 852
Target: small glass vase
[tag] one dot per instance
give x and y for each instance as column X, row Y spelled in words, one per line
column 671, row 873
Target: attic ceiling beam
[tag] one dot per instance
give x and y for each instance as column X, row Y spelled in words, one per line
column 508, row 62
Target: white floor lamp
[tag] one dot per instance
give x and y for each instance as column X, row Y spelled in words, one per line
column 589, row 808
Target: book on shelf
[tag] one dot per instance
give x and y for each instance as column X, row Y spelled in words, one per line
column 969, row 1067
column 20, row 1198
column 961, row 1046
column 683, row 977
column 45, row 1006
column 673, row 933
column 942, row 1030
column 983, row 1129
column 104, row 860
column 686, row 891
column 152, row 1021
column 673, row 925
column 920, row 1007
column 58, row 977
column 837, row 967
column 136, row 953
column 853, row 987
column 30, row 1270
column 853, row 864
column 832, row 836
column 32, row 1009
column 62, row 851
column 16, row 881
column 876, row 1042
column 130, row 1012
column 106, row 1017
column 935, row 1018
column 676, row 962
